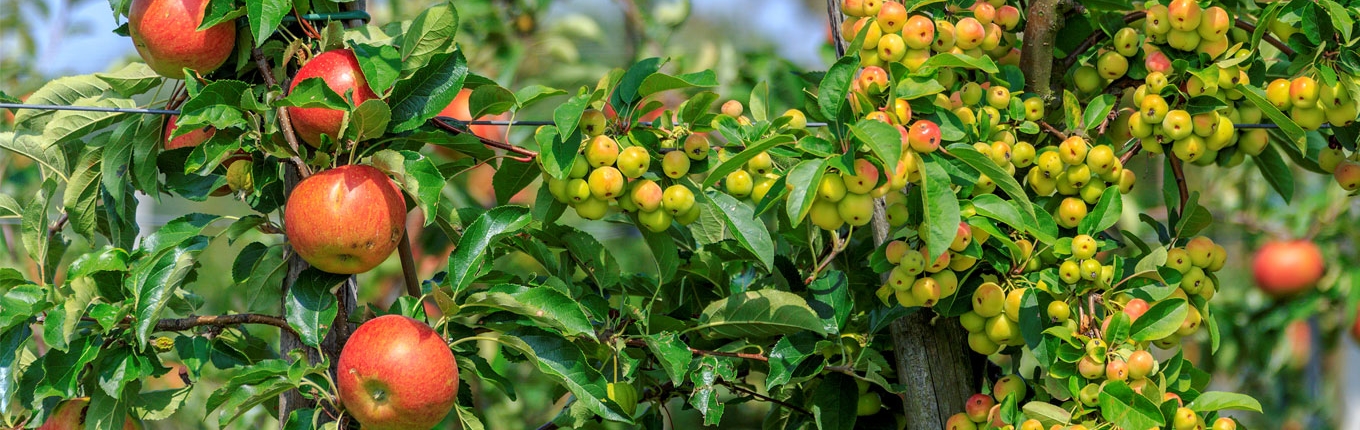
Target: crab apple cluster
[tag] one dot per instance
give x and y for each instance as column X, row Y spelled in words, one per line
column 994, row 321
column 1310, row 103
column 916, row 280
column 603, row 174
column 983, row 410
column 1075, row 170
column 891, row 34
column 847, row 197
column 753, row 180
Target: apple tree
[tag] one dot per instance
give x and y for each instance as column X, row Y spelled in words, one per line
column 933, row 235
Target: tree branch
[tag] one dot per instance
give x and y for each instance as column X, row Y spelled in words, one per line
column 1036, row 59
column 752, row 393
column 1096, row 37
column 1179, row 173
column 1137, row 146
column 1251, row 28
column 637, row 343
column 1049, row 128
column 836, row 247
column 526, row 155
column 285, row 122
column 182, row 324
column 833, row 14
column 408, row 265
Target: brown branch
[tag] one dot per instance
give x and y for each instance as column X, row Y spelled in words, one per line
column 181, row 324
column 836, row 247
column 408, row 265
column 1096, row 37
column 1137, row 146
column 285, row 122
column 1043, row 20
column 1179, row 173
column 1251, row 28
column 833, row 14
column 526, row 155
column 1049, row 128
column 752, row 393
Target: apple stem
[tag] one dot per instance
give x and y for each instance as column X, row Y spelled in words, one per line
column 1053, row 130
column 1137, row 146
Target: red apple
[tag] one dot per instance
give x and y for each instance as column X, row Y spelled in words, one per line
column 1284, row 269
column 345, row 220
column 397, row 373
column 193, row 138
column 166, row 35
column 340, row 69
column 460, row 110
column 70, row 415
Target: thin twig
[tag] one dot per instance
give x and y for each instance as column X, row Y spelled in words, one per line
column 408, row 265
column 752, row 393
column 637, row 343
column 1052, row 130
column 527, row 155
column 836, row 247
column 1096, row 37
column 181, row 324
column 1137, row 146
column 285, row 122
column 1251, row 28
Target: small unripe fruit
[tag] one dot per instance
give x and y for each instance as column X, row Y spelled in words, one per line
column 918, row 32
column 634, row 161
column 924, row 136
column 856, row 209
column 675, row 164
column 1073, row 151
column 978, row 406
column 1089, row 368
column 647, row 195
column 732, row 108
column 1278, row 93
column 1184, row 14
column 826, row 215
column 1071, row 212
column 998, row 97
column 577, row 190
column 738, row 183
column 696, row 146
column 1088, row 79
column 988, row 300
column 968, row 33
column 592, row 208
column 1303, row 92
column 760, row 164
column 677, row 199
column 593, row 122
column 606, row 183
column 1112, row 65
column 1059, row 311
column 602, row 151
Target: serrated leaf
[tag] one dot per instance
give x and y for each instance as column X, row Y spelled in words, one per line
column 513, row 176
column 835, row 85
column 546, row 306
column 1161, row 320
column 380, row 64
column 881, row 138
column 133, row 79
column 157, row 280
column 672, row 353
column 802, row 182
column 265, row 16
column 1105, row 213
column 69, row 125
column 1097, row 110
column 82, row 194
column 1125, row 408
column 742, row 223
column 658, row 82
column 739, row 161
column 565, row 362
column 758, row 314
column 310, row 308
column 61, row 92
column 416, row 174
column 427, row 91
column 834, row 402
column 428, row 37
column 941, row 213
column 1217, row 400
column 465, row 265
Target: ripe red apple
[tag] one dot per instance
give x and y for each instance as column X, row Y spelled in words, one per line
column 460, row 110
column 166, row 35
column 193, row 138
column 397, row 373
column 340, row 69
column 70, row 415
column 1283, row 269
column 345, row 220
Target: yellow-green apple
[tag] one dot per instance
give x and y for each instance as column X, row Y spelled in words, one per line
column 396, row 373
column 166, row 35
column 340, row 69
column 345, row 220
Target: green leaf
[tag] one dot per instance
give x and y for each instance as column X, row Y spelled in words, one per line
column 1071, row 109
column 258, row 271
column 512, row 177
column 835, row 85
column 1203, row 104
column 941, row 207
column 759, row 108
column 534, row 93
column 310, row 308
column 218, row 104
column 567, row 116
column 219, row 11
column 832, row 300
column 1005, row 182
column 105, row 411
column 157, row 280
column 428, row 37
column 1276, row 172
column 742, row 223
column 9, row 208
column 176, row 231
column 758, row 314
column 658, row 82
column 1161, row 320
column 739, row 161
column 380, row 64
column 265, row 16
column 1217, row 400
column 313, row 93
column 802, row 181
column 70, row 125
column 37, row 147
column 565, row 362
column 788, row 354
column 834, row 402
column 465, row 265
column 1098, row 109
column 82, row 194
column 133, row 79
column 11, row 342
column 951, row 60
column 1105, row 214
column 1125, row 408
column 490, row 100
column 427, row 91
column 664, row 252
column 881, row 138
column 991, row 206
column 672, row 353
column 416, row 174
column 368, row 121
column 1048, row 414
column 626, row 93
column 61, row 92
column 547, row 307
column 21, row 303
column 1285, row 123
